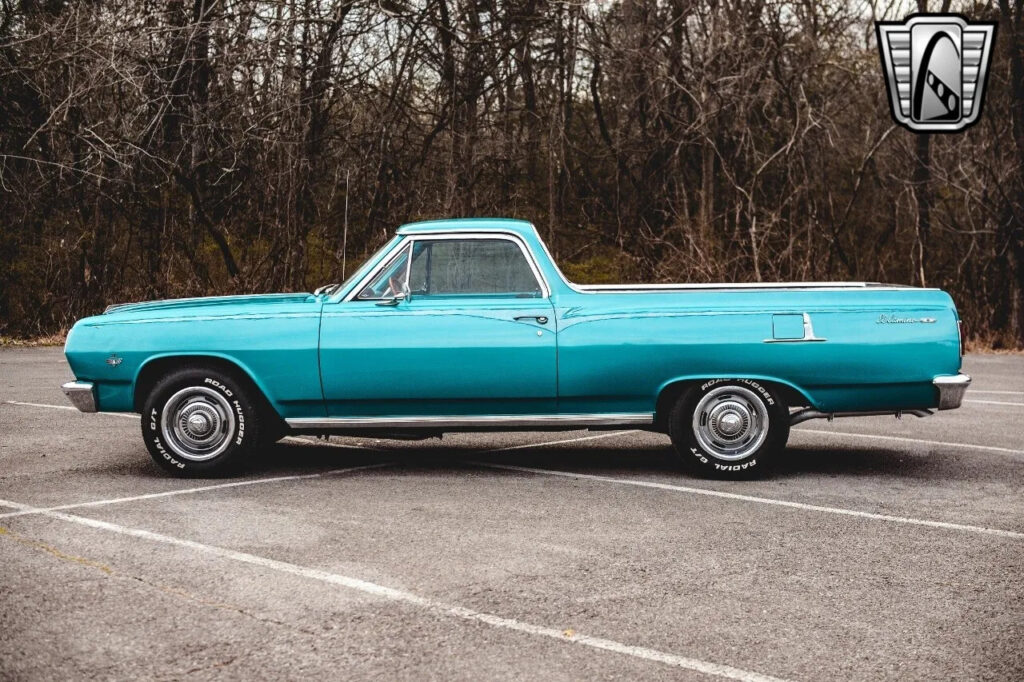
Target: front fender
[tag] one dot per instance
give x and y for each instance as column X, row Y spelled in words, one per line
column 276, row 350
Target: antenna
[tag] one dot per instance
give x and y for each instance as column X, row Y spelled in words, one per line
column 344, row 233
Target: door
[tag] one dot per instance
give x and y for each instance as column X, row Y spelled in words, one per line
column 473, row 335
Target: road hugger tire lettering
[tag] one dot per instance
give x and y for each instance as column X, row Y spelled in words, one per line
column 729, row 428
column 200, row 421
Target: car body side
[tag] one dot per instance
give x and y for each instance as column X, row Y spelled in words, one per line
column 612, row 351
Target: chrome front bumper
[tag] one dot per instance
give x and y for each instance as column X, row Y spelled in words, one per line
column 81, row 395
column 951, row 390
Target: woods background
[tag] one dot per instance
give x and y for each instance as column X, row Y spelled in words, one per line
column 151, row 149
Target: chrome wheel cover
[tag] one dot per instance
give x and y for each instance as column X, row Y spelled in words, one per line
column 730, row 422
column 197, row 423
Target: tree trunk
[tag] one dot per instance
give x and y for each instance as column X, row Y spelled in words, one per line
column 922, row 192
column 1011, row 225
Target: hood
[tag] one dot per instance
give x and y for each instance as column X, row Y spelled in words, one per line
column 207, row 304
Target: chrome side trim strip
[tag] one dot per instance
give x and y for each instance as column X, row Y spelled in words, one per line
column 452, row 422
column 811, row 413
column 951, row 390
column 81, row 395
column 733, row 285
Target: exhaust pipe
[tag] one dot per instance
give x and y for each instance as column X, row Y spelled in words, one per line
column 810, row 413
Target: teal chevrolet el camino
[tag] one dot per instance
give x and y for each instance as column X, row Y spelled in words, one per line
column 463, row 325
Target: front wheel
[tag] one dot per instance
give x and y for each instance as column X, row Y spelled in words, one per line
column 729, row 428
column 198, row 421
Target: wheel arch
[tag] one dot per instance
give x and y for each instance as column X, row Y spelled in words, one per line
column 669, row 391
column 157, row 366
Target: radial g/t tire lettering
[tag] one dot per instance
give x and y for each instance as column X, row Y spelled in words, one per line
column 199, row 421
column 729, row 428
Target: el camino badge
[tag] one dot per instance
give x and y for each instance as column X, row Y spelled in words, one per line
column 114, row 360
column 892, row 319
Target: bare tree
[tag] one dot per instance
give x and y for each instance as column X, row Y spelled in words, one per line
column 164, row 148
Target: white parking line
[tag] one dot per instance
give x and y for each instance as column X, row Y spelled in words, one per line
column 296, row 439
column 189, row 491
column 992, row 402
column 974, row 390
column 919, row 441
column 129, row 415
column 401, row 596
column 313, row 441
column 559, row 442
column 760, row 500
column 606, row 479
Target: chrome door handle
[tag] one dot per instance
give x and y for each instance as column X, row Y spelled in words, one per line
column 540, row 318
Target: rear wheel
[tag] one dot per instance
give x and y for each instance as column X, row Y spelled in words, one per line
column 729, row 428
column 198, row 421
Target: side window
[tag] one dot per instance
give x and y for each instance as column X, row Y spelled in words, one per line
column 389, row 281
column 420, row 270
column 460, row 267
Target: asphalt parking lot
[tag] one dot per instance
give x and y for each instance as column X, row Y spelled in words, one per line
column 878, row 549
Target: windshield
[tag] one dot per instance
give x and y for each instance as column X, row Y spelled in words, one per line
column 391, row 279
column 359, row 272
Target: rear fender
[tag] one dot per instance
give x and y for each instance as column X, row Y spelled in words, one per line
column 792, row 394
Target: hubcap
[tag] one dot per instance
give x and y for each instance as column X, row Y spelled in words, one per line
column 730, row 422
column 197, row 423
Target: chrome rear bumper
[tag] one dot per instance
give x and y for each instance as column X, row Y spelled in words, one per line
column 951, row 390
column 81, row 395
